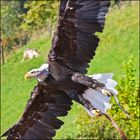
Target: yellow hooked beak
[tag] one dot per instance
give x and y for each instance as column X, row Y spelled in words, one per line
column 27, row 76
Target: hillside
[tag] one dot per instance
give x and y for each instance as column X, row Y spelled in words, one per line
column 119, row 41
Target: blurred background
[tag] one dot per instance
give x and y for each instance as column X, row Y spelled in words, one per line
column 26, row 31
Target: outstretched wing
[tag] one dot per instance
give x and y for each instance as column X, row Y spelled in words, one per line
column 75, row 42
column 39, row 120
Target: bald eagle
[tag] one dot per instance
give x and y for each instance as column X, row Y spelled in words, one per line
column 61, row 80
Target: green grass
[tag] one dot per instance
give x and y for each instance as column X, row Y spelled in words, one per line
column 118, row 41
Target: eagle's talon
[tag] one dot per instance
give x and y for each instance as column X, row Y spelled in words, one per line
column 106, row 92
column 96, row 112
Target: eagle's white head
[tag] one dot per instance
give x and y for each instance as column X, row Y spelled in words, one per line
column 40, row 74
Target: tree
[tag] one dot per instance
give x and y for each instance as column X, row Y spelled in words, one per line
column 11, row 33
column 1, row 53
column 10, row 20
column 39, row 14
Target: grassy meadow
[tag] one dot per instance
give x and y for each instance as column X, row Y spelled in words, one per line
column 119, row 41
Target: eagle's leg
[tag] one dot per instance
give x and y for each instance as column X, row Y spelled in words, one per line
column 89, row 82
column 80, row 99
column 89, row 106
column 93, row 83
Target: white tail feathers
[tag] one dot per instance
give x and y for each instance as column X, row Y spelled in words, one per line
column 96, row 98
